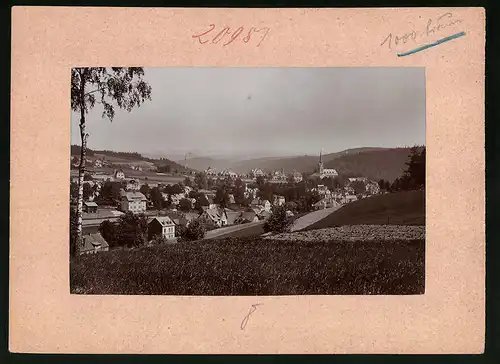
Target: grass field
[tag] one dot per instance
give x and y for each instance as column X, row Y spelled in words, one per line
column 400, row 208
column 255, row 266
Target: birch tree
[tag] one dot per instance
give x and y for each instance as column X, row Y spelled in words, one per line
column 122, row 87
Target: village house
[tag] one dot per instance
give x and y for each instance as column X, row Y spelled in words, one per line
column 322, row 190
column 296, row 177
column 372, row 187
column 349, row 198
column 210, row 171
column 279, row 200
column 256, row 172
column 264, row 215
column 358, row 179
column 162, row 226
column 90, row 207
column 119, row 174
column 217, row 216
column 231, row 216
column 246, row 217
column 228, row 173
column 133, row 201
column 94, row 243
column 266, row 205
column 133, row 185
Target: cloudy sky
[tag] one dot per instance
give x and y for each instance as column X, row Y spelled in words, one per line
column 266, row 111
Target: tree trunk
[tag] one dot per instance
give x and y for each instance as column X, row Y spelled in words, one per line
column 81, row 174
column 81, row 168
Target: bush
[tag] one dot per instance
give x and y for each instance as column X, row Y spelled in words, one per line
column 278, row 222
column 194, row 231
column 158, row 239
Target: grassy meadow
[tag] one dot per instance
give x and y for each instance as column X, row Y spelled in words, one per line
column 255, row 266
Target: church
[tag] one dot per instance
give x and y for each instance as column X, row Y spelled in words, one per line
column 324, row 172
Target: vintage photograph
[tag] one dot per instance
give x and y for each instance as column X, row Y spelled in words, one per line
column 207, row 181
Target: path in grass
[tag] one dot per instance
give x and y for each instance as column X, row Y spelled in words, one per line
column 312, row 217
column 229, row 230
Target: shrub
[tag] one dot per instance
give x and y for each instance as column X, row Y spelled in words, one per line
column 194, row 231
column 278, row 222
column 158, row 239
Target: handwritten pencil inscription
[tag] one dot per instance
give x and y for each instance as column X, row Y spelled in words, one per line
column 226, row 35
column 247, row 317
column 433, row 27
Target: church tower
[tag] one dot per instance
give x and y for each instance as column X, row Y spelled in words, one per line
column 320, row 164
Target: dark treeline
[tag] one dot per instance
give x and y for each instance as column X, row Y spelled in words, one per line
column 413, row 177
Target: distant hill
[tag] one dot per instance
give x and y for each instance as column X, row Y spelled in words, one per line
column 400, row 208
column 129, row 158
column 202, row 163
column 386, row 164
column 372, row 162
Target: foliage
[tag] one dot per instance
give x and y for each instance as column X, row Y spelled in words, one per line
column 194, row 231
column 120, row 86
column 185, row 205
column 188, row 182
column 158, row 239
column 73, row 233
column 384, row 185
column 260, row 181
column 73, row 190
column 222, row 197
column 256, row 266
column 359, row 187
column 156, row 198
column 200, row 181
column 174, row 189
column 278, row 222
column 132, row 230
column 110, row 233
column 88, row 177
column 291, row 205
column 144, row 189
column 413, row 177
column 87, row 191
column 110, row 193
column 201, row 200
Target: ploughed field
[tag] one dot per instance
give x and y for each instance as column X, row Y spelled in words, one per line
column 276, row 265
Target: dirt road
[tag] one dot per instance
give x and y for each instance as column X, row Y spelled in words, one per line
column 312, row 217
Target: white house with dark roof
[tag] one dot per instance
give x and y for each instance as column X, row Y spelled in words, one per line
column 119, row 174
column 133, row 201
column 161, row 225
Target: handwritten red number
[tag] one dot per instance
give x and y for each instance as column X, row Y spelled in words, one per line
column 212, row 27
column 247, row 38
column 234, row 36
column 267, row 31
column 226, row 31
column 221, row 34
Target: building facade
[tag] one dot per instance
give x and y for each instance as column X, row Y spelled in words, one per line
column 134, row 202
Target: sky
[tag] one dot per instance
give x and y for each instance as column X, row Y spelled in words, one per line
column 260, row 112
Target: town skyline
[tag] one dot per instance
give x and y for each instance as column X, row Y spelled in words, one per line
column 207, row 112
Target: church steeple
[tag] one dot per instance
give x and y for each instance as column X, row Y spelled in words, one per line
column 320, row 164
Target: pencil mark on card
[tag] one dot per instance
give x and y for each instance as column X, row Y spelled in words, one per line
column 247, row 317
column 227, row 35
column 432, row 27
